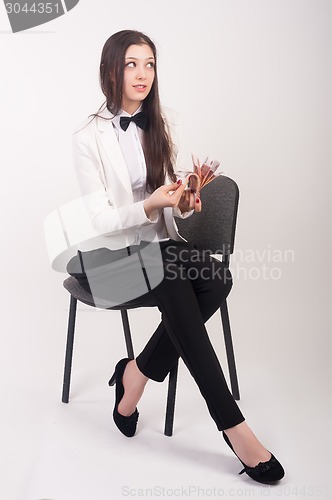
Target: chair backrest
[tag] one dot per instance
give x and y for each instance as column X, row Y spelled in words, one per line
column 213, row 228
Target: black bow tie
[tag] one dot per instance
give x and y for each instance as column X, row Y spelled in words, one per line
column 140, row 119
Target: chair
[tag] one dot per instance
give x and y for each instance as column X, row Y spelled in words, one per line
column 213, row 229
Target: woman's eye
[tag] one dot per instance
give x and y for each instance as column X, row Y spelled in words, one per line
column 132, row 64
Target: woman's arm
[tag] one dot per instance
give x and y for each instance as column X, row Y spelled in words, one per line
column 106, row 218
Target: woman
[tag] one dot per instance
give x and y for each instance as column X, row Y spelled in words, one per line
column 126, row 159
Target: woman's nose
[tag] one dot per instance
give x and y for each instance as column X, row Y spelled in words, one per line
column 141, row 74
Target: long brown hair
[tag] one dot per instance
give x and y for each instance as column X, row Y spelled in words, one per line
column 157, row 144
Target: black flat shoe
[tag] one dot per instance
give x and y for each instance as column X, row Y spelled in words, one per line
column 264, row 472
column 127, row 425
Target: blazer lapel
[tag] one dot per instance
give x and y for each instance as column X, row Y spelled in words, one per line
column 112, row 149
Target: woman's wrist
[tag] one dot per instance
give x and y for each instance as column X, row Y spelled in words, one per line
column 150, row 211
column 147, row 208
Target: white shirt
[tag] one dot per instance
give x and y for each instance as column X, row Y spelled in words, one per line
column 130, row 142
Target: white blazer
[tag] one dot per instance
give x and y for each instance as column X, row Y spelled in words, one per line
column 106, row 215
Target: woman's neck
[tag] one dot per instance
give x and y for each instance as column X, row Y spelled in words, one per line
column 131, row 109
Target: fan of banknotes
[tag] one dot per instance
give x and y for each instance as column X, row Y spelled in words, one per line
column 203, row 173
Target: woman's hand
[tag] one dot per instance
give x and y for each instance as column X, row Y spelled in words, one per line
column 168, row 196
column 190, row 201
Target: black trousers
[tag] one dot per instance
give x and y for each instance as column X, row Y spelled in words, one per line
column 193, row 288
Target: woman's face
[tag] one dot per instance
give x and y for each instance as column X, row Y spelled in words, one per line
column 138, row 76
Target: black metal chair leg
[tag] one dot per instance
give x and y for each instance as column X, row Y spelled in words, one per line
column 69, row 349
column 229, row 350
column 127, row 334
column 170, row 407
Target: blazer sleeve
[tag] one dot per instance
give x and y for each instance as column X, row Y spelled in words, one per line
column 105, row 217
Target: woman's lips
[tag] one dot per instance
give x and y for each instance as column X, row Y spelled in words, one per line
column 140, row 88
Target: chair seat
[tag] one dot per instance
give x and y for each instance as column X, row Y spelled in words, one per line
column 73, row 286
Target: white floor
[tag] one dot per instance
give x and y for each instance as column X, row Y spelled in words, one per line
column 55, row 451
